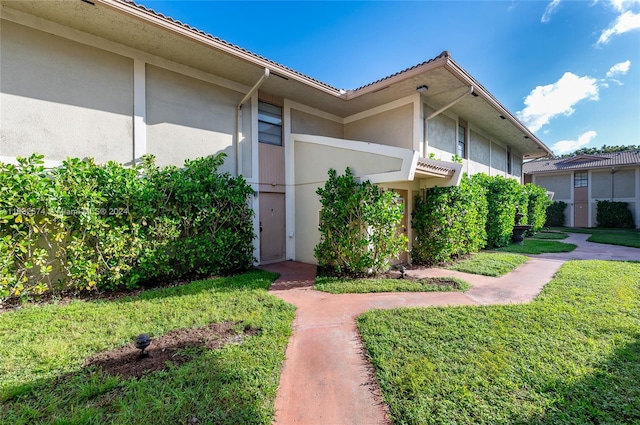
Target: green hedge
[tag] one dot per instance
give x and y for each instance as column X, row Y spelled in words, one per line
column 358, row 227
column 85, row 225
column 614, row 214
column 449, row 222
column 555, row 214
column 538, row 202
column 503, row 195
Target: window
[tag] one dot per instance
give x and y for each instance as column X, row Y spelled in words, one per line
column 581, row 179
column 509, row 160
column 269, row 124
column 462, row 141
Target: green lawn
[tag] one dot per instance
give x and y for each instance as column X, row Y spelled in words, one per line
column 572, row 356
column 550, row 235
column 624, row 237
column 489, row 263
column 43, row 349
column 534, row 246
column 360, row 286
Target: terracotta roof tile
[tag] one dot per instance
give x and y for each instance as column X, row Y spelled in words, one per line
column 582, row 162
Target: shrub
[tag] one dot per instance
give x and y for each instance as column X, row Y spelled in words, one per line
column 614, row 214
column 449, row 222
column 85, row 225
column 538, row 202
column 503, row 195
column 358, row 227
column 555, row 214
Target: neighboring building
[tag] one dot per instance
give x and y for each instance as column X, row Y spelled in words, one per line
column 582, row 180
column 113, row 80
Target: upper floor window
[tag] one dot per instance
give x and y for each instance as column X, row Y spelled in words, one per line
column 269, row 124
column 581, row 179
column 462, row 141
column 509, row 169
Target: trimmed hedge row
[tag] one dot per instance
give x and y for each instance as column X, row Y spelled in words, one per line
column 86, row 225
column 614, row 214
column 454, row 221
column 555, row 214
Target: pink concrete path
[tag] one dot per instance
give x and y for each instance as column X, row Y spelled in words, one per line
column 326, row 378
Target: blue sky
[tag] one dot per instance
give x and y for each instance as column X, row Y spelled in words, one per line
column 570, row 70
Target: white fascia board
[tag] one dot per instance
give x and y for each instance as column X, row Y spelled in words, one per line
column 409, row 157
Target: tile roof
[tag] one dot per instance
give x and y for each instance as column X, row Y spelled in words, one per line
column 226, row 43
column 582, row 162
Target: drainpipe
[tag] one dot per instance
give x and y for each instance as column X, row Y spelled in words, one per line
column 255, row 88
column 441, row 110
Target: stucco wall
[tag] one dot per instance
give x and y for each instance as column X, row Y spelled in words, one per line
column 311, row 172
column 479, row 154
column 441, row 135
column 63, row 99
column 498, row 160
column 189, row 118
column 304, row 123
column 558, row 183
column 623, row 183
column 391, row 128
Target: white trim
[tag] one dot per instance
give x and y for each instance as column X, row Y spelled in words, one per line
column 289, row 178
column 418, row 144
column 379, row 109
column 139, row 110
column 590, row 199
column 56, row 29
column 573, row 199
column 314, row 111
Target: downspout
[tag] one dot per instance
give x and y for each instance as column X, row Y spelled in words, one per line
column 251, row 92
column 441, row 110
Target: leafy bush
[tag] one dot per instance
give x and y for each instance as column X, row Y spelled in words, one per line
column 614, row 214
column 358, row 227
column 503, row 195
column 555, row 214
column 449, row 222
column 538, row 202
column 85, row 225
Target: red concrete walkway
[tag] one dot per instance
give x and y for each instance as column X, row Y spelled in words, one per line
column 326, row 378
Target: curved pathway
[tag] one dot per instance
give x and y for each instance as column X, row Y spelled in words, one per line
column 326, row 378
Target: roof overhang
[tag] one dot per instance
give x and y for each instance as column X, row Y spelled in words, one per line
column 147, row 31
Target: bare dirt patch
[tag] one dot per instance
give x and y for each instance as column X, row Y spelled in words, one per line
column 174, row 348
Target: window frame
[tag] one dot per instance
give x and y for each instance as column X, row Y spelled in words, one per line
column 580, row 179
column 462, row 143
column 264, row 113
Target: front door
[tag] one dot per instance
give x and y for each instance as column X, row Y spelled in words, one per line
column 581, row 214
column 272, row 227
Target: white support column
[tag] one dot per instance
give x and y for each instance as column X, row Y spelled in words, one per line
column 290, row 189
column 255, row 177
column 572, row 212
column 139, row 109
column 589, row 200
column 418, row 136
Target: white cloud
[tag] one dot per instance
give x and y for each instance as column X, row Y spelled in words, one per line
column 551, row 7
column 559, row 98
column 566, row 146
column 628, row 20
column 619, row 68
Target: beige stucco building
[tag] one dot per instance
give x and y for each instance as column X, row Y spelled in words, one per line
column 583, row 180
column 112, row 80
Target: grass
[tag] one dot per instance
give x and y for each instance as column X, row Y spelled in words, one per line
column 572, row 356
column 360, row 286
column 43, row 348
column 623, row 237
column 535, row 246
column 550, row 235
column 489, row 264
